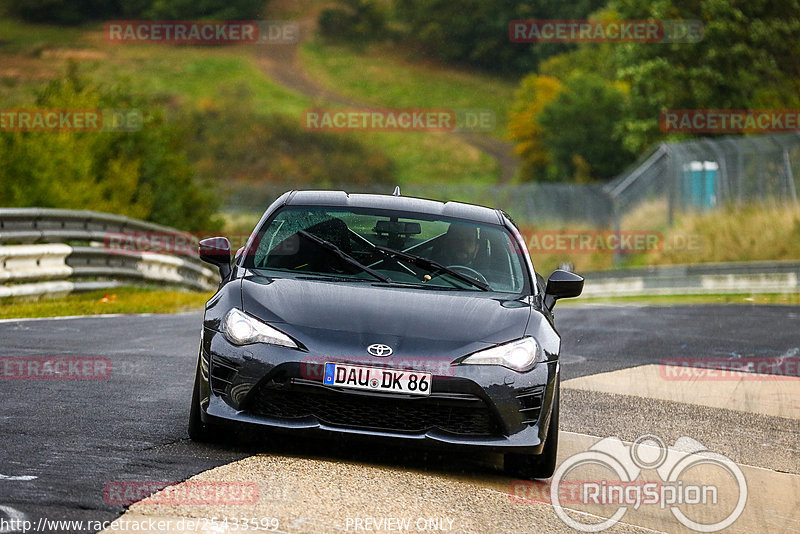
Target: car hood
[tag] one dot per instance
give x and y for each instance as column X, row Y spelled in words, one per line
column 337, row 317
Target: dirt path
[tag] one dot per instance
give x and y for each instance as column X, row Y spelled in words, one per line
column 281, row 64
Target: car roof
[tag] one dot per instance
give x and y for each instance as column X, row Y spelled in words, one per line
column 457, row 210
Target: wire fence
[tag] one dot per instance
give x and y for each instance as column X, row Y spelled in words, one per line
column 697, row 175
column 526, row 203
column 705, row 174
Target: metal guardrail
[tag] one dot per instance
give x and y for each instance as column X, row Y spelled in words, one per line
column 52, row 251
column 698, row 279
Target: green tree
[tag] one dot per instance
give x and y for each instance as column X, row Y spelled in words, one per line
column 77, row 11
column 69, row 169
column 143, row 174
column 475, row 32
column 356, row 20
column 581, row 129
column 227, row 137
column 197, row 9
column 749, row 57
column 534, row 94
column 67, row 12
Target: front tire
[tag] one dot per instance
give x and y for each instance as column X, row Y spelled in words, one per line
column 198, row 430
column 531, row 466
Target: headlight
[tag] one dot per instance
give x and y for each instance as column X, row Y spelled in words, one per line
column 241, row 329
column 520, row 355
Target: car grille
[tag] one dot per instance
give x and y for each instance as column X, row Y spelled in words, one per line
column 456, row 413
column 530, row 400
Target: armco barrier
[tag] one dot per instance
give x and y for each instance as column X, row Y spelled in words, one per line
column 699, row 279
column 34, row 262
column 51, row 251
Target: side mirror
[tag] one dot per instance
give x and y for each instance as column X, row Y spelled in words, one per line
column 217, row 251
column 562, row 285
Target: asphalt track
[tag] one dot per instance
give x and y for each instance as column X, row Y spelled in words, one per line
column 78, row 436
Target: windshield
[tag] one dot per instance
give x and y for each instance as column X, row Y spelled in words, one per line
column 391, row 247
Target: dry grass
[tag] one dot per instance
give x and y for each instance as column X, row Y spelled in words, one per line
column 650, row 216
column 760, row 299
column 751, row 233
column 111, row 301
column 545, row 261
column 757, row 232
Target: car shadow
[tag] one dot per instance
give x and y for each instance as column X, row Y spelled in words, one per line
column 370, row 451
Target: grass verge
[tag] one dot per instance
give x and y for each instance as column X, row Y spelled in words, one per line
column 126, row 299
column 792, row 299
column 195, row 77
column 754, row 232
column 382, row 77
column 130, row 300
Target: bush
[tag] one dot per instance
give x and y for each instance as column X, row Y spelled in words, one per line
column 359, row 20
column 143, row 174
column 70, row 12
column 227, row 138
column 475, row 32
column 67, row 12
column 194, row 9
column 581, row 130
column 534, row 93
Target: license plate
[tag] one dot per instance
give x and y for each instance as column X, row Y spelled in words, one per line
column 377, row 379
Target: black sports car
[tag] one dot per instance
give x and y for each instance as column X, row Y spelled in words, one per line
column 385, row 316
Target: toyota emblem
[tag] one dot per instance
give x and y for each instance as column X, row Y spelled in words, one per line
column 380, row 350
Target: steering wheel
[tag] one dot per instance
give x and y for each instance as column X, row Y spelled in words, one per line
column 469, row 272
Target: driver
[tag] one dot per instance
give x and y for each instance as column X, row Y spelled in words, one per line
column 459, row 245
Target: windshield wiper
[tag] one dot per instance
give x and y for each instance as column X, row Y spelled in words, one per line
column 426, row 263
column 344, row 255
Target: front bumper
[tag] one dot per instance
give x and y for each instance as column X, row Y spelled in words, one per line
column 474, row 407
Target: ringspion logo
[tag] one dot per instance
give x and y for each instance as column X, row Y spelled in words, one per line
column 574, row 492
column 688, row 485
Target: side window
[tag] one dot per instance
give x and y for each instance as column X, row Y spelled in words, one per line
column 497, row 264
